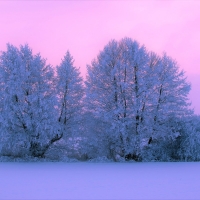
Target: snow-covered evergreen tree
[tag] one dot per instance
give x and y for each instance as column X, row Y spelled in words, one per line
column 171, row 94
column 70, row 91
column 169, row 101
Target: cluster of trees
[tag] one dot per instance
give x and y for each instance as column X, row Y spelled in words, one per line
column 133, row 105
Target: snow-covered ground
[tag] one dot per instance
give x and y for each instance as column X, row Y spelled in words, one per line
column 99, row 180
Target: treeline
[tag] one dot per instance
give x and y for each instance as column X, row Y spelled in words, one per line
column 132, row 106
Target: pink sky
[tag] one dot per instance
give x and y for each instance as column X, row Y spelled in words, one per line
column 85, row 27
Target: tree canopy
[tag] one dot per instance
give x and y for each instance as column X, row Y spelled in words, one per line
column 133, row 105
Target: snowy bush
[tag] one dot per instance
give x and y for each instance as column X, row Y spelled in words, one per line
column 189, row 141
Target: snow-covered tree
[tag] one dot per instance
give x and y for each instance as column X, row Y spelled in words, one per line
column 27, row 105
column 135, row 106
column 70, row 91
column 169, row 101
column 137, row 95
column 171, row 94
column 112, row 83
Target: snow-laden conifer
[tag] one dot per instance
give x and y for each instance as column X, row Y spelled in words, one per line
column 70, row 91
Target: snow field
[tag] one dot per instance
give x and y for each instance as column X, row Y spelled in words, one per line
column 99, row 180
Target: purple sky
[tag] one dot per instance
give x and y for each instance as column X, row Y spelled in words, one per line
column 85, row 27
